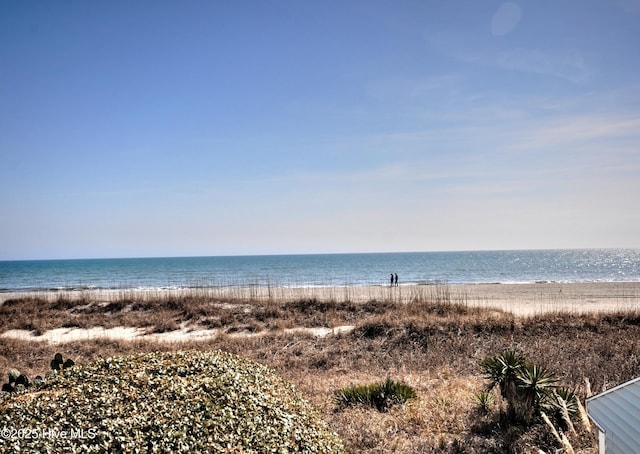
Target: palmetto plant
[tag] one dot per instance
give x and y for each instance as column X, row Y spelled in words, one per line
column 525, row 387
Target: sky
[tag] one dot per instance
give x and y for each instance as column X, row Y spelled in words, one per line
column 192, row 128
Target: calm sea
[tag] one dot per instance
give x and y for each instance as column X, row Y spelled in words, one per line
column 584, row 265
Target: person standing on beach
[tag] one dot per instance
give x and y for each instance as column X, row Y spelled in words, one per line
column 391, row 279
column 396, row 279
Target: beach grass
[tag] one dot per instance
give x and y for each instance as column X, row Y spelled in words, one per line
column 431, row 339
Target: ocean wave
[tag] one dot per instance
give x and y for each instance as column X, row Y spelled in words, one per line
column 250, row 286
column 322, row 271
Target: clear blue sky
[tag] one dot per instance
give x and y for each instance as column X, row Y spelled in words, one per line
column 163, row 128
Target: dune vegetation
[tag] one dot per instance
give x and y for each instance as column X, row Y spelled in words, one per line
column 165, row 402
column 447, row 353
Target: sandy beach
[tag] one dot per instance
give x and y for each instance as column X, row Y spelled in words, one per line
column 522, row 300
column 519, row 299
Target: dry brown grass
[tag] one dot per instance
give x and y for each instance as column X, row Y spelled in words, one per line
column 434, row 344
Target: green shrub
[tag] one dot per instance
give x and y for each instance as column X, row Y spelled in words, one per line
column 169, row 402
column 380, row 396
column 485, row 400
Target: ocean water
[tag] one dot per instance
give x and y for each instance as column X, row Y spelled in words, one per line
column 526, row 266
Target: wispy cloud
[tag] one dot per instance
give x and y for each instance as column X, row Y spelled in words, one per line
column 579, row 129
column 567, row 64
column 570, row 64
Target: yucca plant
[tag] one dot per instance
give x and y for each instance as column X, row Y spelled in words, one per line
column 566, row 404
column 536, row 385
column 502, row 371
column 526, row 387
column 568, row 399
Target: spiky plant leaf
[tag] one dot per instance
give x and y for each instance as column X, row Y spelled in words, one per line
column 502, row 370
column 536, row 384
column 377, row 395
column 485, row 400
column 536, row 378
column 568, row 398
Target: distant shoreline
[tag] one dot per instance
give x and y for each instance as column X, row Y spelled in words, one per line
column 246, row 285
column 322, row 270
column 525, row 299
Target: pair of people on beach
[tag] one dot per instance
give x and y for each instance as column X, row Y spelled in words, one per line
column 394, row 279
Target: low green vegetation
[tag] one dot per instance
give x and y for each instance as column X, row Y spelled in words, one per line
column 532, row 394
column 528, row 389
column 166, row 402
column 485, row 400
column 380, row 396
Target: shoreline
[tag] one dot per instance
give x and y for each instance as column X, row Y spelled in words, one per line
column 521, row 299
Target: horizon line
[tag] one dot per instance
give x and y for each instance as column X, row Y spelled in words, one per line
column 283, row 254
